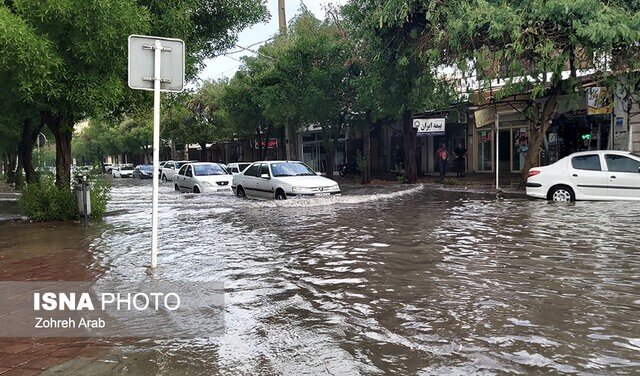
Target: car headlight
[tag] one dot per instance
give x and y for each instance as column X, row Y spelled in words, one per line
column 299, row 189
column 207, row 184
column 334, row 188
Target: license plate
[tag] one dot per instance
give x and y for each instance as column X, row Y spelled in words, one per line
column 323, row 194
column 224, row 189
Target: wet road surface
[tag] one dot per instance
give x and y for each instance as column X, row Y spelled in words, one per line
column 411, row 281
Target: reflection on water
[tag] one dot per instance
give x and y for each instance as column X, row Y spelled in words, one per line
column 419, row 281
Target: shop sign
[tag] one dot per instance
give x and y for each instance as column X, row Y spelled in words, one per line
column 430, row 127
column 271, row 144
column 599, row 101
column 484, row 117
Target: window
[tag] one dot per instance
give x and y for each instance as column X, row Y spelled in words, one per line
column 254, row 170
column 619, row 163
column 234, row 169
column 189, row 173
column 182, row 170
column 168, row 165
column 264, row 169
column 586, row 162
column 291, row 169
column 209, row 169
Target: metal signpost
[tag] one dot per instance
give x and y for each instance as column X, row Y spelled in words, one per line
column 156, row 64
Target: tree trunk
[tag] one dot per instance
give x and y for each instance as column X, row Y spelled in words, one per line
column 366, row 149
column 11, row 167
column 539, row 128
column 330, row 157
column 409, row 134
column 62, row 129
column 25, row 148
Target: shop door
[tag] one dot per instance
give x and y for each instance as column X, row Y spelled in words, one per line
column 485, row 151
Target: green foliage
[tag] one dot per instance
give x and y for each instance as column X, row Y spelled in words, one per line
column 197, row 117
column 401, row 173
column 44, row 201
column 99, row 193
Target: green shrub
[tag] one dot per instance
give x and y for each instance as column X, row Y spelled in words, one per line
column 99, row 194
column 43, row 201
column 401, row 173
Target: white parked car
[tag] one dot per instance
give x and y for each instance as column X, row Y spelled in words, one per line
column 202, row 177
column 588, row 175
column 122, row 171
column 237, row 167
column 280, row 180
column 170, row 169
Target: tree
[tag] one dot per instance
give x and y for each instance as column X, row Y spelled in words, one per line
column 197, row 117
column 87, row 42
column 391, row 34
column 530, row 43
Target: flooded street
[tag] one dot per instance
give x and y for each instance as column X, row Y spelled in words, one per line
column 414, row 281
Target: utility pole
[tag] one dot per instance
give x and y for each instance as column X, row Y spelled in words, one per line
column 289, row 136
column 282, row 17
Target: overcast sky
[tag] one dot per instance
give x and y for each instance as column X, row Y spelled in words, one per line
column 226, row 66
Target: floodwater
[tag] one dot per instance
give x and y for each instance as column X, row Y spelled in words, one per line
column 411, row 280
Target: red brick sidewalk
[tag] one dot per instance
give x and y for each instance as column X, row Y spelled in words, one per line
column 44, row 252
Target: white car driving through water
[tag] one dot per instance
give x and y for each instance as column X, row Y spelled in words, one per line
column 588, row 175
column 280, row 180
column 202, row 177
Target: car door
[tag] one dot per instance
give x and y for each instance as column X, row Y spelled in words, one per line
column 265, row 187
column 166, row 168
column 623, row 176
column 188, row 178
column 250, row 180
column 587, row 175
column 180, row 180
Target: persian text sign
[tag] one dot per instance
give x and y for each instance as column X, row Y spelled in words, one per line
column 430, row 127
column 112, row 309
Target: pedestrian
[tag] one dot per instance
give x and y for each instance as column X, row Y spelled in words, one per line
column 442, row 156
column 459, row 153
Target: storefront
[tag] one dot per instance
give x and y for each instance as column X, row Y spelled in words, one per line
column 512, row 141
column 313, row 151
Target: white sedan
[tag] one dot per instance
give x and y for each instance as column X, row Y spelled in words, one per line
column 170, row 169
column 280, row 180
column 202, row 177
column 122, row 171
column 588, row 175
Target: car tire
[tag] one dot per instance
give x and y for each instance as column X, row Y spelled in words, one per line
column 196, row 189
column 280, row 195
column 240, row 192
column 561, row 193
column 176, row 187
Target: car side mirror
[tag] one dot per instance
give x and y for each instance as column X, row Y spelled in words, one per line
column 265, row 176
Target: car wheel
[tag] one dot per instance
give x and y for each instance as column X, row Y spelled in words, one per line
column 240, row 192
column 176, row 187
column 562, row 194
column 280, row 195
column 196, row 189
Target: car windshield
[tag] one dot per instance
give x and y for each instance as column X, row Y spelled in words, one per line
column 146, row 167
column 290, row 169
column 180, row 164
column 209, row 169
